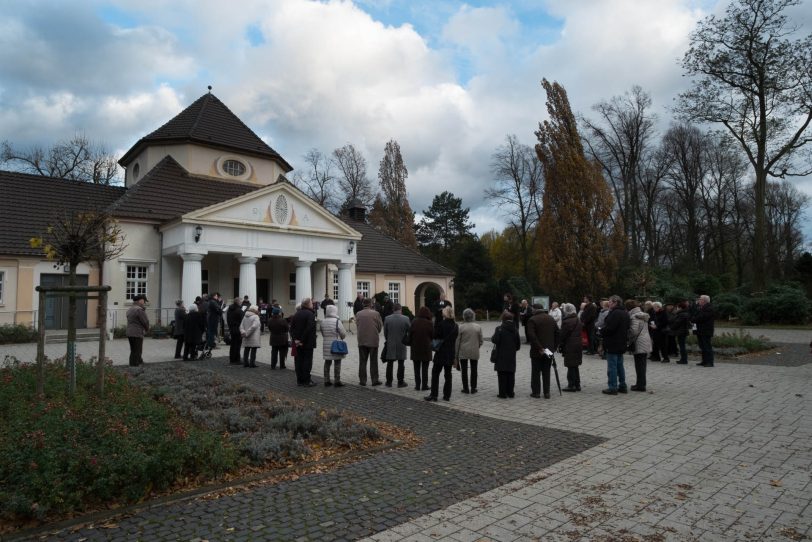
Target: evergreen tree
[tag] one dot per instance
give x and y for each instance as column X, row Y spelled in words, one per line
column 443, row 226
column 391, row 213
column 579, row 244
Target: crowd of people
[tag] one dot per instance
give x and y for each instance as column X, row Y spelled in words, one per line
column 648, row 331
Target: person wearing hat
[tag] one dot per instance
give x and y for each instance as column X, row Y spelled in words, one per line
column 137, row 327
column 542, row 334
column 278, row 328
column 249, row 330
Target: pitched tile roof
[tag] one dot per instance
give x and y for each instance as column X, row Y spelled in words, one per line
column 208, row 122
column 379, row 253
column 29, row 203
column 169, row 191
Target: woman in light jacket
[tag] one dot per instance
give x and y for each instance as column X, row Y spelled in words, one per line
column 469, row 341
column 249, row 330
column 332, row 330
column 638, row 332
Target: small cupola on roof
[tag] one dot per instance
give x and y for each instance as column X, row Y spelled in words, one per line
column 357, row 211
column 208, row 139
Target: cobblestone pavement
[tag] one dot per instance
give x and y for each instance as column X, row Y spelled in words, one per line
column 706, row 454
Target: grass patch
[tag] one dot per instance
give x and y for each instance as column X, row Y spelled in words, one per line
column 734, row 344
column 158, row 430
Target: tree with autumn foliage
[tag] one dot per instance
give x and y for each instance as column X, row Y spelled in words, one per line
column 580, row 242
column 391, row 213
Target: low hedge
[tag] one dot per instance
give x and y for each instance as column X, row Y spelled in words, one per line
column 734, row 344
column 17, row 333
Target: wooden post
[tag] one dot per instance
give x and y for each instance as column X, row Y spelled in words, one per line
column 41, row 345
column 102, row 341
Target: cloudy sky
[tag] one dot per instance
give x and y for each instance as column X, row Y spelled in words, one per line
column 448, row 80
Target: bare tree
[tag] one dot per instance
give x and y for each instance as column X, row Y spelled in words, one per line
column 77, row 159
column 317, row 181
column 752, row 76
column 517, row 191
column 352, row 179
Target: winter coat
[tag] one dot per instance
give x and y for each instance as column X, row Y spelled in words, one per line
column 395, row 327
column 661, row 321
column 469, row 341
column 357, row 306
column 506, row 342
column 193, row 327
column 303, row 328
column 615, row 331
column 137, row 321
column 681, row 324
column 331, row 330
column 234, row 316
column 214, row 312
column 556, row 314
column 601, row 318
column 542, row 333
column 638, row 331
column 704, row 320
column 278, row 327
column 180, row 317
column 421, row 333
column 589, row 315
column 447, row 332
column 570, row 341
column 249, row 329
column 370, row 325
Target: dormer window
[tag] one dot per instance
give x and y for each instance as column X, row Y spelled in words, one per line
column 235, row 168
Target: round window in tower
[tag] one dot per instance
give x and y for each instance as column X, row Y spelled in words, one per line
column 235, row 168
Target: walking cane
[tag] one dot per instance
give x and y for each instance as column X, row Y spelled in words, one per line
column 555, row 368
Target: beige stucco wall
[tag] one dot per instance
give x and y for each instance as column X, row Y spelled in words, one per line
column 142, row 248
column 12, row 293
column 408, row 285
column 199, row 160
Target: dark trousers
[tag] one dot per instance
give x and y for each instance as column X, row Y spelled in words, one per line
column 337, row 372
column 389, row 370
column 234, row 347
column 367, row 353
column 211, row 335
column 278, row 353
column 421, row 374
column 178, row 346
column 662, row 346
column 574, row 377
column 540, row 374
column 507, row 380
column 655, row 345
column 464, row 369
column 592, row 338
column 436, row 369
column 683, row 352
column 704, row 342
column 303, row 362
column 249, row 356
column 136, row 347
column 640, row 369
column 189, row 351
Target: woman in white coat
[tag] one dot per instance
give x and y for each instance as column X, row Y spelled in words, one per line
column 331, row 330
column 249, row 330
column 638, row 334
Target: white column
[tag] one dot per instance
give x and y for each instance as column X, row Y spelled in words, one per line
column 248, row 277
column 320, row 281
column 345, row 290
column 303, row 280
column 192, row 277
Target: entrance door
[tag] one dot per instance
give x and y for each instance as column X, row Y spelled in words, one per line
column 56, row 307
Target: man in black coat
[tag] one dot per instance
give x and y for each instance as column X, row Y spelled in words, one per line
column 588, row 317
column 214, row 314
column 615, row 334
column 542, row 334
column 303, row 333
column 358, row 305
column 234, row 315
column 704, row 330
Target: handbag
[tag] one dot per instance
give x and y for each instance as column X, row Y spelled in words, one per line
column 630, row 347
column 407, row 338
column 293, row 349
column 436, row 344
column 338, row 347
column 383, row 352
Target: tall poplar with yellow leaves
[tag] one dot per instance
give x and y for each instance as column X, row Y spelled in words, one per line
column 579, row 242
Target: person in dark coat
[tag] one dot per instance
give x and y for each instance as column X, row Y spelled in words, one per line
column 278, row 328
column 615, row 335
column 264, row 314
column 679, row 328
column 303, row 333
column 137, row 328
column 180, row 317
column 326, row 302
column 571, row 347
column 704, row 321
column 588, row 318
column 444, row 356
column 506, row 343
column 420, row 335
column 438, row 310
column 660, row 343
column 234, row 316
column 513, row 308
column 358, row 305
column 214, row 313
column 395, row 328
column 193, row 329
column 542, row 334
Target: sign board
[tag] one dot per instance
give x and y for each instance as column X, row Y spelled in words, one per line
column 543, row 300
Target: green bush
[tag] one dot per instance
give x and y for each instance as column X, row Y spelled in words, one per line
column 780, row 304
column 736, row 343
column 728, row 305
column 63, row 454
column 120, row 332
column 17, row 333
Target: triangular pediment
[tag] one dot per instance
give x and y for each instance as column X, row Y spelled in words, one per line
column 280, row 206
